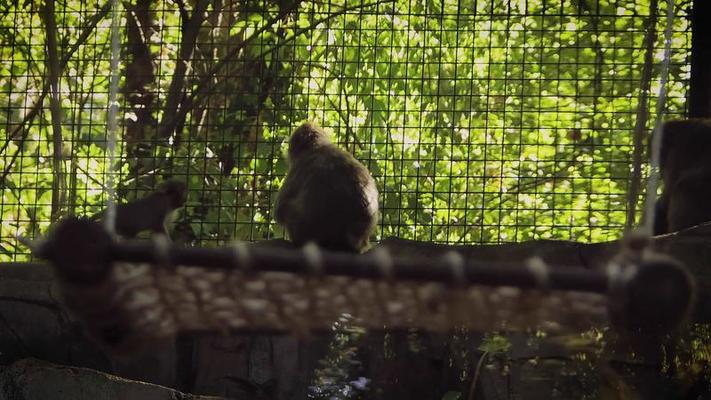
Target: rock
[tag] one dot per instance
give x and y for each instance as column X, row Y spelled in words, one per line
column 32, row 379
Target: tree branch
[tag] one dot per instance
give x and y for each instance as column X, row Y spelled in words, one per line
column 204, row 85
column 18, row 131
column 53, row 67
column 642, row 115
column 190, row 30
column 181, row 9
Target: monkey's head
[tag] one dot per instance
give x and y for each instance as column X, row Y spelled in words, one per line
column 307, row 137
column 685, row 145
column 176, row 191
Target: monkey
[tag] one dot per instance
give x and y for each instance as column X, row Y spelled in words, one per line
column 328, row 196
column 689, row 203
column 151, row 213
column 685, row 167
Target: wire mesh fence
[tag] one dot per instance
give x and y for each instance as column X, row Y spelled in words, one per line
column 481, row 121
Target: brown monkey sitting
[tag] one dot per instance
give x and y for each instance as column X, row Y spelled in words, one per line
column 685, row 166
column 151, row 213
column 328, row 196
column 689, row 202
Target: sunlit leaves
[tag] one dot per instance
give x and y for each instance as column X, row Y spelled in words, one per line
column 482, row 121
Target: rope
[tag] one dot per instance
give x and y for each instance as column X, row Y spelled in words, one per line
column 657, row 133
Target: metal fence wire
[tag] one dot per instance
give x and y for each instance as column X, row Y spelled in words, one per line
column 483, row 121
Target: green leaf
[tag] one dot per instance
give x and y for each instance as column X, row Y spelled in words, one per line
column 452, row 396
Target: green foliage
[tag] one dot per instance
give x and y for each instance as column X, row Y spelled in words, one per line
column 482, row 122
column 691, row 356
column 452, row 396
column 495, row 344
column 337, row 378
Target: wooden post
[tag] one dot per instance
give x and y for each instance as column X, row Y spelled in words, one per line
column 700, row 82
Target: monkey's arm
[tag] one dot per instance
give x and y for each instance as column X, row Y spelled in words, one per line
column 286, row 193
column 660, row 217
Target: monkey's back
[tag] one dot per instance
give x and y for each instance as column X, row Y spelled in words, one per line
column 690, row 200
column 685, row 146
column 141, row 215
column 335, row 203
column 685, row 168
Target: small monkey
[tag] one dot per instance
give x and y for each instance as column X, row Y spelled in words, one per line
column 151, row 213
column 685, row 166
column 328, row 196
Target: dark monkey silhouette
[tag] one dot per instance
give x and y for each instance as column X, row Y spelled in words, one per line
column 685, row 166
column 150, row 213
column 328, row 197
